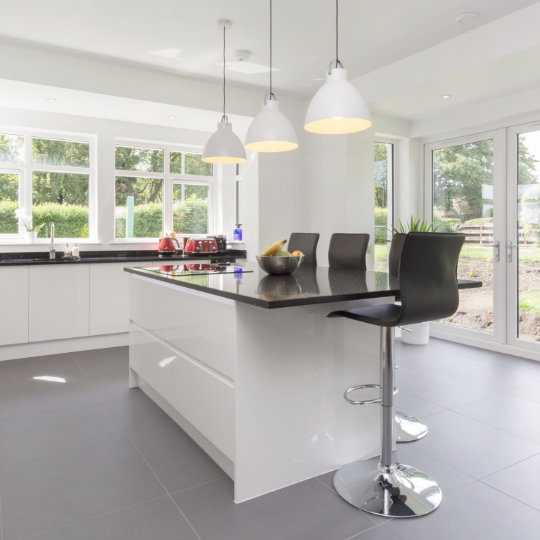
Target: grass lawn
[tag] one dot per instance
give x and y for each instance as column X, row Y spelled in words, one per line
column 381, row 250
column 474, row 251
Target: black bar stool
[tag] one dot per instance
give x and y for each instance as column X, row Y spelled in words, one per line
column 307, row 244
column 348, row 250
column 428, row 288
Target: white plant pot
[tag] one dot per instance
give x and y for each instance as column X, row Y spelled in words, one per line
column 31, row 236
column 416, row 334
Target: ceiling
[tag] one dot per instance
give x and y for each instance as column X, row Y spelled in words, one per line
column 372, row 34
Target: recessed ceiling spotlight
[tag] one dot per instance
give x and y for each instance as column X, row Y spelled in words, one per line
column 241, row 64
column 468, row 17
column 51, row 99
column 446, row 96
column 172, row 117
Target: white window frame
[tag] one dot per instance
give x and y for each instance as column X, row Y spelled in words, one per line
column 391, row 179
column 169, row 179
column 27, row 167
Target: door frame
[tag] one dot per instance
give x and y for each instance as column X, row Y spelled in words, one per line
column 512, row 338
column 495, row 340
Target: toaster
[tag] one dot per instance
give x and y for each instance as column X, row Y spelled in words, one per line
column 200, row 245
column 221, row 241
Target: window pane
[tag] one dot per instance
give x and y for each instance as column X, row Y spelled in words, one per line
column 132, row 158
column 62, row 199
column 9, row 195
column 11, row 148
column 194, row 165
column 139, row 207
column 190, row 208
column 463, row 202
column 55, row 152
column 383, row 202
column 176, row 163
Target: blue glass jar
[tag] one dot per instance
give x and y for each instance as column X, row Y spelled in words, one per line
column 237, row 233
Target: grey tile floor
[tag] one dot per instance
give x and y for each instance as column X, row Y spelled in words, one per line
column 88, row 459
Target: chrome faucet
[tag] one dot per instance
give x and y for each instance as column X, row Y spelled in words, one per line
column 52, row 251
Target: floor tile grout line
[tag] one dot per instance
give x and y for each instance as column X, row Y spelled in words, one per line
column 376, row 526
column 164, row 488
column 202, row 484
column 507, row 467
column 508, row 495
column 95, row 516
column 498, row 428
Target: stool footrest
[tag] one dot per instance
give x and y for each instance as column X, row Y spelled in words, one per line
column 363, row 401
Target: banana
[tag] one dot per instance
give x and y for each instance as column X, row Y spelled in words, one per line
column 274, row 248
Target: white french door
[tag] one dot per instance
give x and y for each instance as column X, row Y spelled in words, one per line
column 523, row 232
column 487, row 187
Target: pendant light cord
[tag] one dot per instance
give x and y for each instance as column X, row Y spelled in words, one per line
column 337, row 63
column 337, row 33
column 271, row 94
column 224, row 117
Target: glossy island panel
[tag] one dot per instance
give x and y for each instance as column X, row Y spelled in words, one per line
column 268, row 406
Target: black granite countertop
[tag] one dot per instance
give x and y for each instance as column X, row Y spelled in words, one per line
column 42, row 257
column 305, row 286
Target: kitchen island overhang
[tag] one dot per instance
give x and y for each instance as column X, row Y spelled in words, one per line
column 261, row 390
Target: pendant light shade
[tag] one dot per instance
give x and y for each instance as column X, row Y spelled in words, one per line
column 224, row 146
column 270, row 130
column 337, row 107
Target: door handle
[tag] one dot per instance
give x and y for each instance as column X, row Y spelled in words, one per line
column 496, row 250
column 509, row 246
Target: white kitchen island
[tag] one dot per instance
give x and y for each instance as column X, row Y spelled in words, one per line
column 250, row 367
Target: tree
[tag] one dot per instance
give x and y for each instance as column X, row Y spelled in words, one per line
column 460, row 172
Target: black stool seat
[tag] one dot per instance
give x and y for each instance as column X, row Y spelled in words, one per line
column 379, row 315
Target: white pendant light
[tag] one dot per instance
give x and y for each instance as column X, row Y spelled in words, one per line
column 224, row 146
column 337, row 107
column 270, row 130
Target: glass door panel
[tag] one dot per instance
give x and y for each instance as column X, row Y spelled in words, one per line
column 463, row 201
column 527, row 237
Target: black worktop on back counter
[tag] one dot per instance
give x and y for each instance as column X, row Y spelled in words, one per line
column 306, row 286
column 42, row 257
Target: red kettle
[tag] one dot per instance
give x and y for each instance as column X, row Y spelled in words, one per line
column 166, row 246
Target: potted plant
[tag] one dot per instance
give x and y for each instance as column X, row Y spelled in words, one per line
column 413, row 334
column 30, row 229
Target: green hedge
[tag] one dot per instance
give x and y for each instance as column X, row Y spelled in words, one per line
column 70, row 221
column 8, row 221
column 148, row 219
column 381, row 225
column 195, row 214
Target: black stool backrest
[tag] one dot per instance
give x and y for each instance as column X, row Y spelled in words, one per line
column 307, row 244
column 428, row 276
column 348, row 251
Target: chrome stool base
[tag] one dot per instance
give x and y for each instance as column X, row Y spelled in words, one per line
column 408, row 428
column 398, row 491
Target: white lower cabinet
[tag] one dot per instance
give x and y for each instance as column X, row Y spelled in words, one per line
column 14, row 300
column 109, row 298
column 58, row 302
